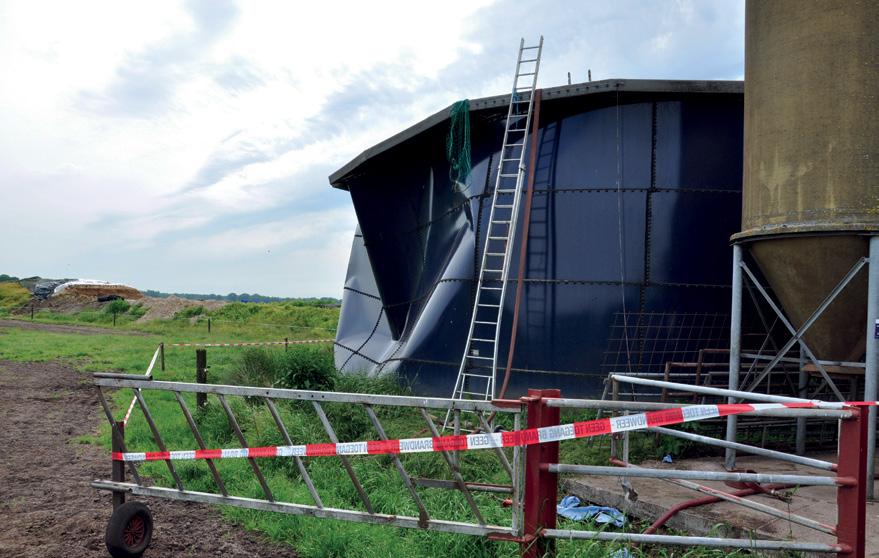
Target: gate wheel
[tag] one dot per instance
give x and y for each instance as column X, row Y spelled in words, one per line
column 129, row 530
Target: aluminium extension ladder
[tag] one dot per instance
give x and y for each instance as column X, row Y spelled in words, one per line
column 478, row 371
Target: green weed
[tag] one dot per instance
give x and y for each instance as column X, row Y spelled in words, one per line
column 12, row 297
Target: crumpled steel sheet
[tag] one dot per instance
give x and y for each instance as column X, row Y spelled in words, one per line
column 656, row 173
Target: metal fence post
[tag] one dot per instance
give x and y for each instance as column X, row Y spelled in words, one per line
column 162, row 353
column 201, row 375
column 209, row 324
column 851, row 499
column 735, row 338
column 871, row 372
column 286, row 343
column 615, row 391
column 802, row 391
column 541, row 485
column 117, row 472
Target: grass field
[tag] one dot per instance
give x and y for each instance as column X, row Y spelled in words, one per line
column 300, row 367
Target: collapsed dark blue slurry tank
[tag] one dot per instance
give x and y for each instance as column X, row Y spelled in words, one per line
column 636, row 191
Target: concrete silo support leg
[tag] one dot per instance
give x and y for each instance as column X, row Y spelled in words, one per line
column 872, row 360
column 735, row 337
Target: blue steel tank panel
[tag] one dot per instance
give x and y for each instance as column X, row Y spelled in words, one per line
column 627, row 263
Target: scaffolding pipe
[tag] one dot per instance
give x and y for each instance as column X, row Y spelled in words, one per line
column 682, row 474
column 751, row 544
column 757, row 506
column 735, row 349
column 730, row 393
column 609, row 405
column 791, row 360
column 872, row 366
column 753, row 450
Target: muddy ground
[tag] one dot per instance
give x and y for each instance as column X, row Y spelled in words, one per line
column 48, row 509
column 63, row 328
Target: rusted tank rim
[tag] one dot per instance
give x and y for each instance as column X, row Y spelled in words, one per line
column 805, row 229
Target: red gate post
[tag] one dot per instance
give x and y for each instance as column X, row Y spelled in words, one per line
column 541, row 486
column 851, row 498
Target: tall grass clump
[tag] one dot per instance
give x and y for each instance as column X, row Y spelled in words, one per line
column 307, row 367
column 299, row 367
column 190, row 312
column 119, row 306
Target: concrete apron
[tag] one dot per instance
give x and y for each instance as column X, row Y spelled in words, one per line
column 654, row 497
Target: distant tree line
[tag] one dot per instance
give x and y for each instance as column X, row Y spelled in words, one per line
column 247, row 297
column 231, row 297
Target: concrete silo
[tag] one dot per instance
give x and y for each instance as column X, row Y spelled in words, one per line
column 810, row 194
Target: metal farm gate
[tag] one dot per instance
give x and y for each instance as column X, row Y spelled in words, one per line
column 523, row 434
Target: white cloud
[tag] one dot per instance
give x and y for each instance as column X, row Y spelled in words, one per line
column 126, row 129
column 307, row 230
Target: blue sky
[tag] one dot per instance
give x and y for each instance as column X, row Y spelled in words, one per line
column 185, row 146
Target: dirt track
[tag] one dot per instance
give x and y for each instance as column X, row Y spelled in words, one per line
column 62, row 328
column 48, row 509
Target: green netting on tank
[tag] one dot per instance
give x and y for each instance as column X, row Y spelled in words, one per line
column 458, row 144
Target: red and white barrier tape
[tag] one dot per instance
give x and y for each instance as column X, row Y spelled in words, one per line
column 584, row 429
column 251, row 344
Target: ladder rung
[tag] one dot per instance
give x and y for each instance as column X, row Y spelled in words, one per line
column 519, row 114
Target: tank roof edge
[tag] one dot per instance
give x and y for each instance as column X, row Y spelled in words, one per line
column 337, row 178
